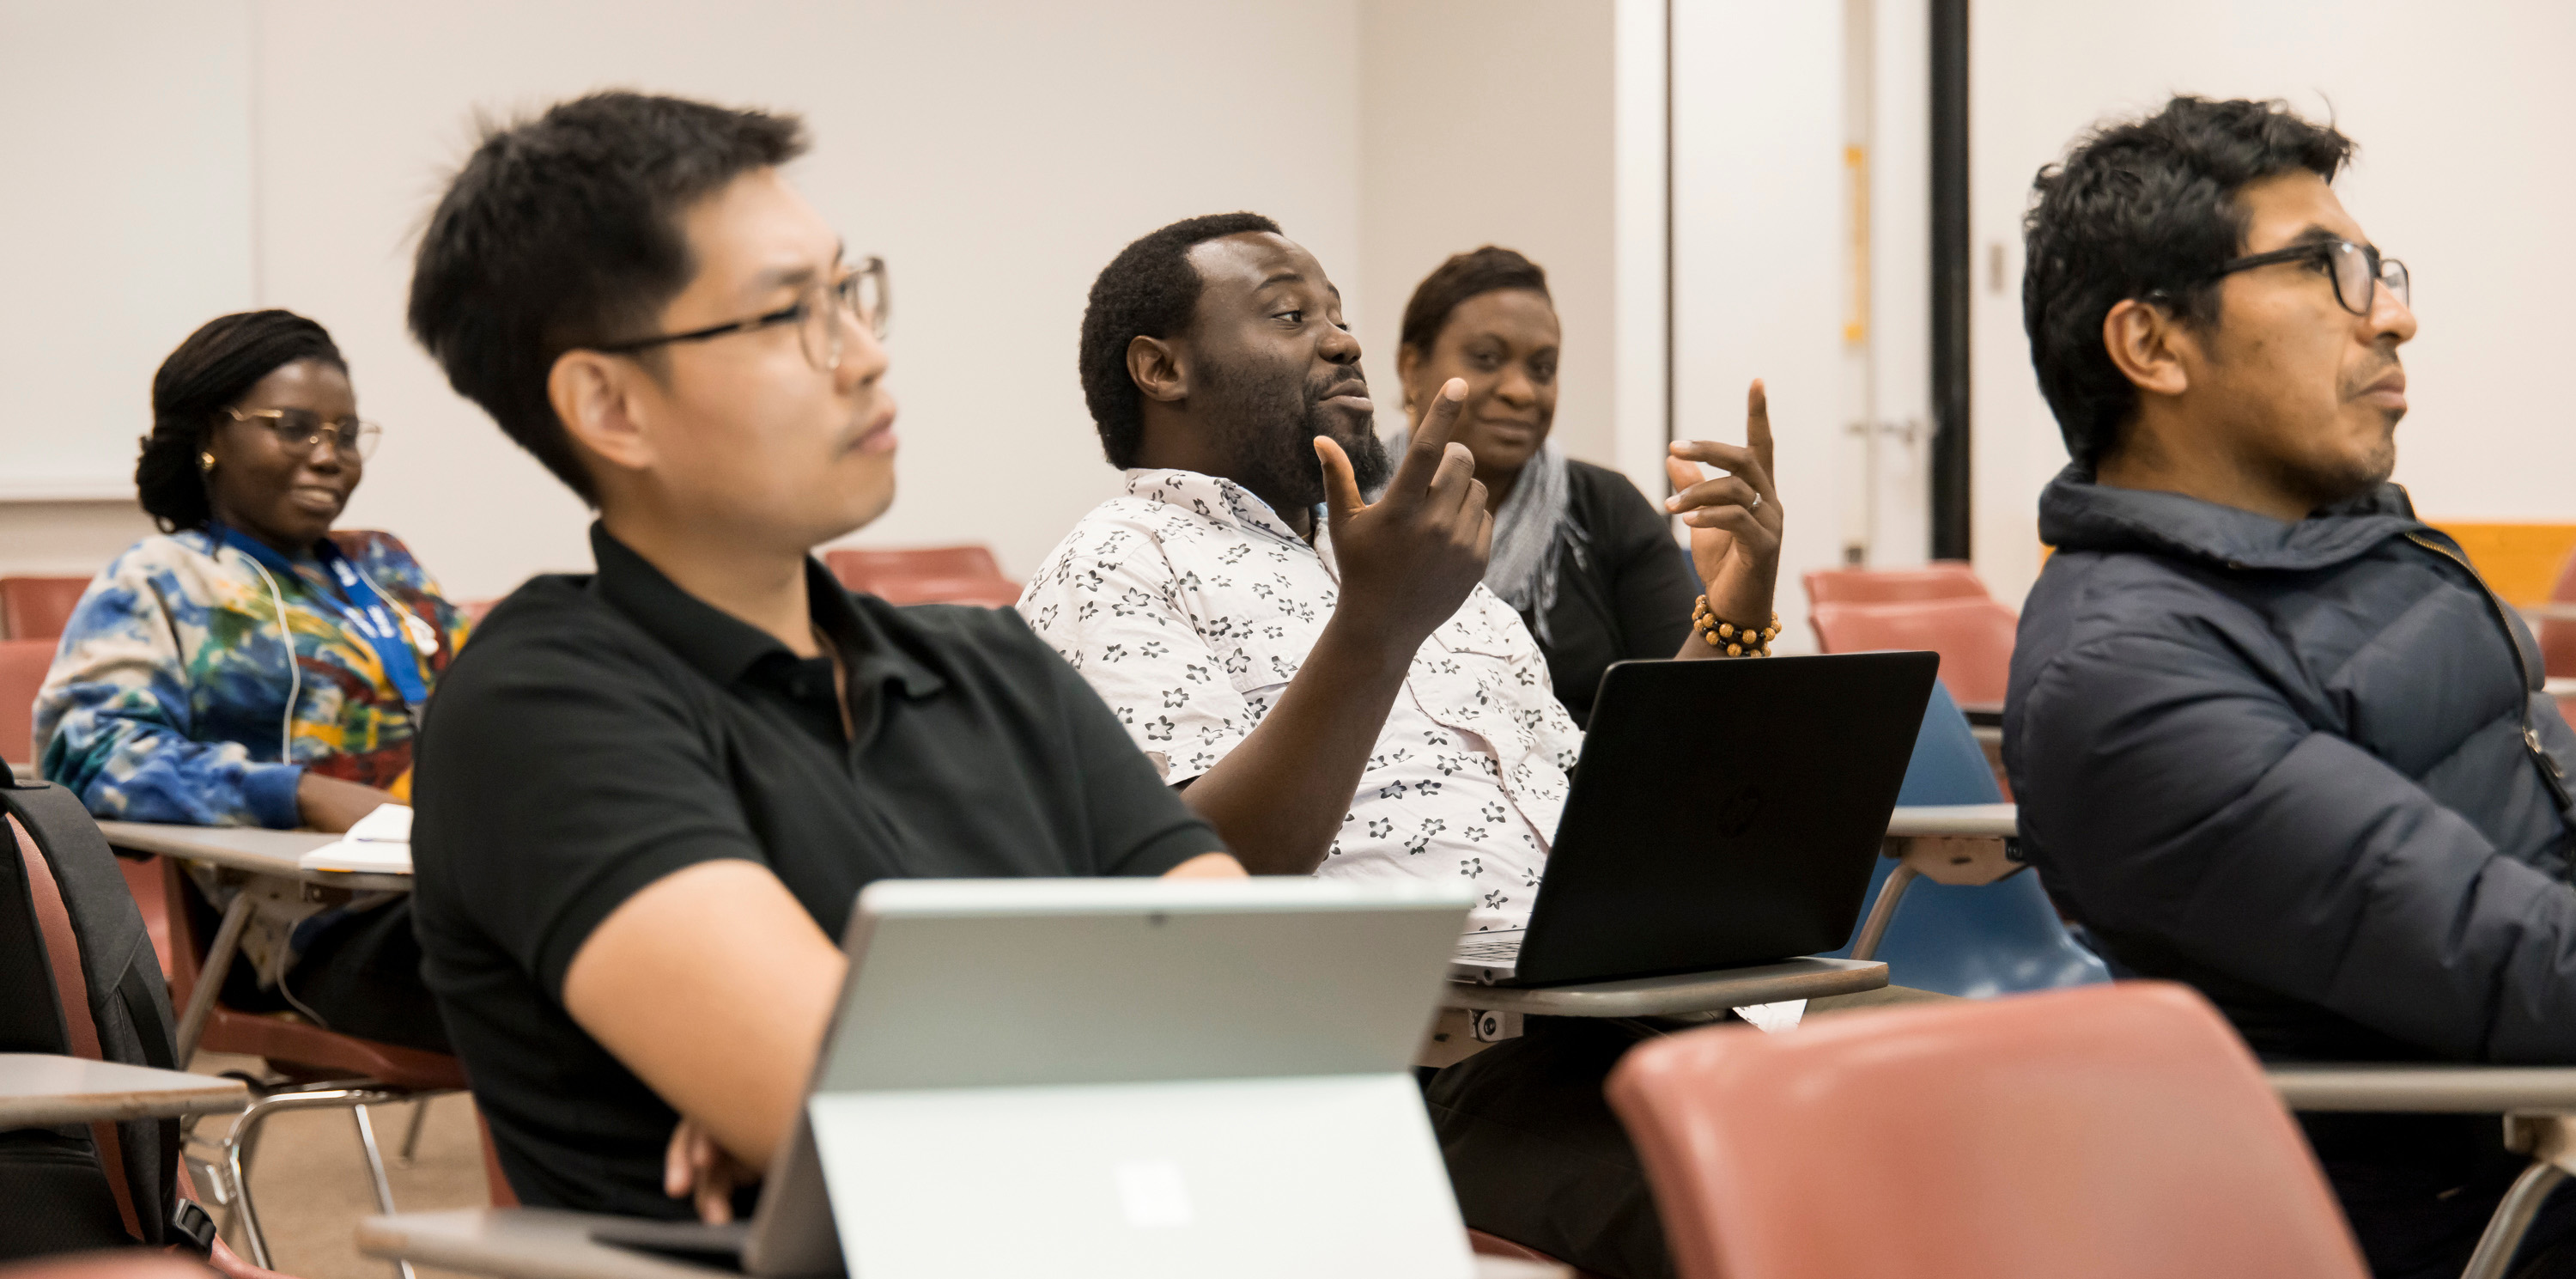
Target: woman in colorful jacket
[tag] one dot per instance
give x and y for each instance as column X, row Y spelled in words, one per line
column 248, row 666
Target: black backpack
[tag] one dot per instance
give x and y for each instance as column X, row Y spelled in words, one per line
column 56, row 1194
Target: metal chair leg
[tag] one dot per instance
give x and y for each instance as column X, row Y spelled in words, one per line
column 1882, row 912
column 238, row 1144
column 376, row 1173
column 411, row 1135
column 2512, row 1221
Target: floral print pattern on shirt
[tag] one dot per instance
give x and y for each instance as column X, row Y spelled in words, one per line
column 1189, row 606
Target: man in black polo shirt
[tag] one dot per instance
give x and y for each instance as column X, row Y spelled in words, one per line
column 648, row 797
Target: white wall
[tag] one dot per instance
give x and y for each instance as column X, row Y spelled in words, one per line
column 1899, row 355
column 2461, row 111
column 128, row 209
column 996, row 153
column 1760, row 235
column 1490, row 122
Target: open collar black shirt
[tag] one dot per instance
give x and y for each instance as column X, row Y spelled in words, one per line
column 601, row 732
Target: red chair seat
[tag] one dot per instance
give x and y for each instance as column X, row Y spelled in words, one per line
column 23, row 663
column 2115, row 1132
column 1938, row 580
column 1974, row 637
column 926, row 575
column 298, row 1047
column 38, row 608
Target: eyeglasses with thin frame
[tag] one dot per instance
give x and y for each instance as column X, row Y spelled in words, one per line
column 860, row 293
column 2354, row 268
column 300, row 431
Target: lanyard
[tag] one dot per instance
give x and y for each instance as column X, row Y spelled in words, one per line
column 362, row 606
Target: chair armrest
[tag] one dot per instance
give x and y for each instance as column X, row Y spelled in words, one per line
column 2448, row 1089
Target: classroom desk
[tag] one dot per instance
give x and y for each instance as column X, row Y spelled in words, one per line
column 2424, row 1087
column 2538, row 1104
column 547, row 1243
column 1968, row 821
column 40, row 1090
column 1808, row 978
column 242, row 853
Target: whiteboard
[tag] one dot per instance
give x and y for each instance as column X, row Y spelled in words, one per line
column 125, row 222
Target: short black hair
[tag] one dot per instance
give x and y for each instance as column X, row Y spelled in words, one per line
column 2145, row 207
column 1148, row 290
column 1472, row 274
column 209, row 372
column 564, row 231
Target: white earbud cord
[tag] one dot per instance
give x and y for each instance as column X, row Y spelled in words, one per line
column 294, row 669
column 286, row 736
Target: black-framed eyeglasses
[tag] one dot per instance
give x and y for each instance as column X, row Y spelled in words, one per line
column 860, row 293
column 2355, row 268
column 300, row 431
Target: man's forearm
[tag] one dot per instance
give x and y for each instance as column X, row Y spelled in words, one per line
column 1278, row 798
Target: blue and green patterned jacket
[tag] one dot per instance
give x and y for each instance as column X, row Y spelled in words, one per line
column 167, row 698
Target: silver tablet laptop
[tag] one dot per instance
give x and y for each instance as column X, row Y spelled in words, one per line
column 1120, row 1077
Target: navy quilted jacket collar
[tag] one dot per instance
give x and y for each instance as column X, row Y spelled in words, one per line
column 2076, row 514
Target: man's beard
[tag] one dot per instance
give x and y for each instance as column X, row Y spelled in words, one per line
column 1269, row 422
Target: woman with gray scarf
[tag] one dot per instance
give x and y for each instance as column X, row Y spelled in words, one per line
column 1588, row 561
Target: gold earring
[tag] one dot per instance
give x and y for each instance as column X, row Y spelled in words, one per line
column 205, row 461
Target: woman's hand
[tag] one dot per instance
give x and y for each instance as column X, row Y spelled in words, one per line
column 332, row 805
column 1735, row 519
column 697, row 1169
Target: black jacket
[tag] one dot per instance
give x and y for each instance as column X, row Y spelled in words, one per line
column 2304, row 767
column 1623, row 588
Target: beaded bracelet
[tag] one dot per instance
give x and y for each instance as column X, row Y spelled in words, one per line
column 1738, row 641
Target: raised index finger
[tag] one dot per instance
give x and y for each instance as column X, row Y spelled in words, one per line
column 1757, row 423
column 1430, row 440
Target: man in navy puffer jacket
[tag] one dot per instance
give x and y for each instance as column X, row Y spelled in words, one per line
column 2270, row 734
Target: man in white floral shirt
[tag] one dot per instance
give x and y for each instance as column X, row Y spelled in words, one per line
column 1329, row 683
column 1191, row 609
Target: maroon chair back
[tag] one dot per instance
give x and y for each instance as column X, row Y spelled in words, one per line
column 2558, row 639
column 23, row 664
column 1938, row 580
column 926, row 575
column 277, row 1039
column 1973, row 636
column 37, row 608
column 2118, row 1132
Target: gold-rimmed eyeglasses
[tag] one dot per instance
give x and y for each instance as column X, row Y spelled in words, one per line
column 300, row 431
column 859, row 294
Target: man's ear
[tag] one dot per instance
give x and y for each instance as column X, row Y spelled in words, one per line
column 1158, row 368
column 594, row 396
column 2148, row 343
column 1406, row 361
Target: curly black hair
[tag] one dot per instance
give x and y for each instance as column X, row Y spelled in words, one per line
column 206, row 374
column 2137, row 208
column 1472, row 274
column 1148, row 290
column 564, row 231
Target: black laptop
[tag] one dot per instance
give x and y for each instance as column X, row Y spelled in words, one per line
column 1724, row 814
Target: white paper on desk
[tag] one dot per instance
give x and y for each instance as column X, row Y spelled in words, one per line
column 1774, row 1018
column 380, row 842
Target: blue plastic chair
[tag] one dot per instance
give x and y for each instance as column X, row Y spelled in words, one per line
column 1981, row 941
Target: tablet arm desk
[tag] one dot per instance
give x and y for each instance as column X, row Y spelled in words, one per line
column 544, row 1243
column 1961, row 844
column 2538, row 1104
